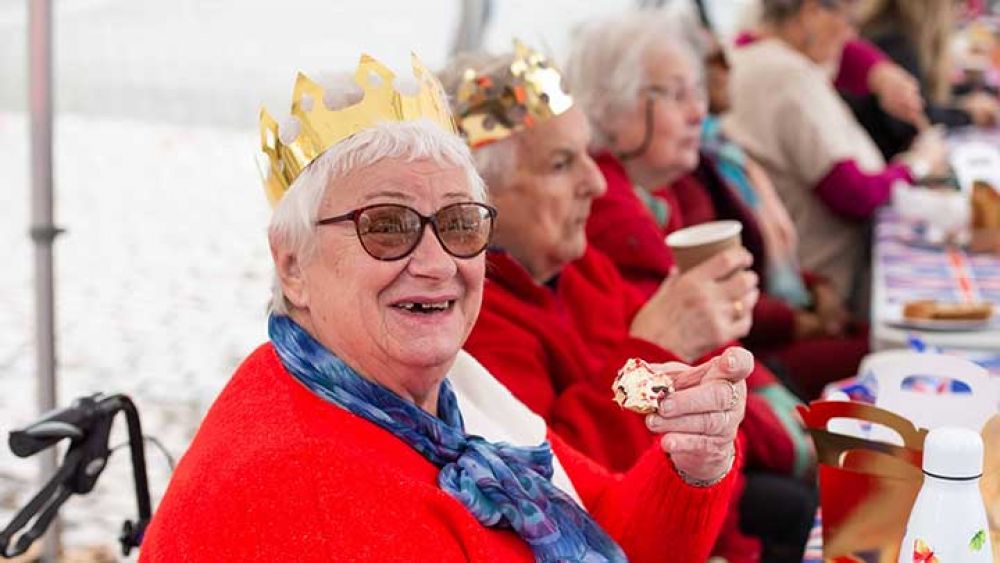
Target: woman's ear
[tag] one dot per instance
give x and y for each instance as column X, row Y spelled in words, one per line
column 291, row 274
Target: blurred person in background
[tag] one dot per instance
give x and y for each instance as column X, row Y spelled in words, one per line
column 362, row 431
column 861, row 70
column 828, row 172
column 917, row 35
column 828, row 342
column 558, row 319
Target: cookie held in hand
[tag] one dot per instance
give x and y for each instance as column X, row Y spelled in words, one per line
column 640, row 389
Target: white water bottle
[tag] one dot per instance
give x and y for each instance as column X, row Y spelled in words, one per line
column 948, row 520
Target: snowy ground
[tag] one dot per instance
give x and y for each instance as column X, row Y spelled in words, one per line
column 162, row 281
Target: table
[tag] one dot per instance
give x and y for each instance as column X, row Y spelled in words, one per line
column 904, row 269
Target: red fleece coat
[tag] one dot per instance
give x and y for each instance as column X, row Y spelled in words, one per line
column 275, row 473
column 558, row 351
column 622, row 227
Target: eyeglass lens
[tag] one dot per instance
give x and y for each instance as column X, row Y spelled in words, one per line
column 390, row 232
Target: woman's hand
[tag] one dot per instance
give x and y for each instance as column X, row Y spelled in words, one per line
column 699, row 422
column 982, row 107
column 898, row 93
column 928, row 151
column 694, row 313
column 807, row 325
column 830, row 310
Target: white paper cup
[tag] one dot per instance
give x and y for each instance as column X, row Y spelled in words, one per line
column 693, row 245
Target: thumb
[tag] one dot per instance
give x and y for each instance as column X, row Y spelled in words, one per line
column 735, row 364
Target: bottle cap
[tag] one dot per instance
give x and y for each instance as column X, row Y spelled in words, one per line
column 953, row 453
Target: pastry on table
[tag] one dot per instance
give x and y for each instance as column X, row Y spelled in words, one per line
column 985, row 206
column 947, row 311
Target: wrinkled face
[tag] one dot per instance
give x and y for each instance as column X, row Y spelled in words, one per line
column 671, row 90
column 827, row 27
column 544, row 205
column 410, row 313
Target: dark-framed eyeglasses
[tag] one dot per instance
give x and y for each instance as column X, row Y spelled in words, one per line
column 389, row 231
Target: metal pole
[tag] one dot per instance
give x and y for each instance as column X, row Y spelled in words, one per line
column 472, row 23
column 43, row 231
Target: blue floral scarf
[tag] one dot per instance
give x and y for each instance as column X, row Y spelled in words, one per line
column 501, row 485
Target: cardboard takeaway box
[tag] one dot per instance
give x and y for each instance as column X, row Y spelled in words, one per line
column 870, row 457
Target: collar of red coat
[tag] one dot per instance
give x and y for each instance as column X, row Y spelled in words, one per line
column 503, row 270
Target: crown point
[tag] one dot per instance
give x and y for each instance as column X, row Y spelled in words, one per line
column 321, row 118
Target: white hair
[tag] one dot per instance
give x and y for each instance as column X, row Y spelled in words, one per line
column 605, row 70
column 497, row 160
column 293, row 225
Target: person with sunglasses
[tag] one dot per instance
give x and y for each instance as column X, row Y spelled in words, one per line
column 361, row 431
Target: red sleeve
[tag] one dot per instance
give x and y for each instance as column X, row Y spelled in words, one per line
column 582, row 412
column 852, row 193
column 857, row 60
column 744, row 38
column 773, row 323
column 649, row 510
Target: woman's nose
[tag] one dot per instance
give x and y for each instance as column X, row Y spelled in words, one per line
column 697, row 107
column 593, row 182
column 430, row 259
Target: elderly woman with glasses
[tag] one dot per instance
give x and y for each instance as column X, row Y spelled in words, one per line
column 647, row 124
column 361, row 431
column 649, row 128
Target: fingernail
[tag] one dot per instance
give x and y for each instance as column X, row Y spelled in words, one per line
column 731, row 361
column 666, row 406
column 650, row 421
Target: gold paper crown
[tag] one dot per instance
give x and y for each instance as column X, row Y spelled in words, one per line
column 320, row 128
column 492, row 107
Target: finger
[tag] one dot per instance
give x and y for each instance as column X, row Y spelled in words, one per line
column 741, row 326
column 734, row 313
column 737, row 286
column 722, row 423
column 723, row 264
column 708, row 397
column 695, row 444
column 670, row 367
column 735, row 365
column 683, row 376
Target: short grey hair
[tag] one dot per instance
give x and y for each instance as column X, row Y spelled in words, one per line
column 497, row 160
column 604, row 71
column 777, row 11
column 293, row 225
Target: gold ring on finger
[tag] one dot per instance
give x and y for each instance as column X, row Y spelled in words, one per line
column 738, row 308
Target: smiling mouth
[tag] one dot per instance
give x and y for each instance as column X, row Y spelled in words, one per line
column 425, row 308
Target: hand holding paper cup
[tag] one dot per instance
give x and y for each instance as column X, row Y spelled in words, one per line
column 693, row 245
